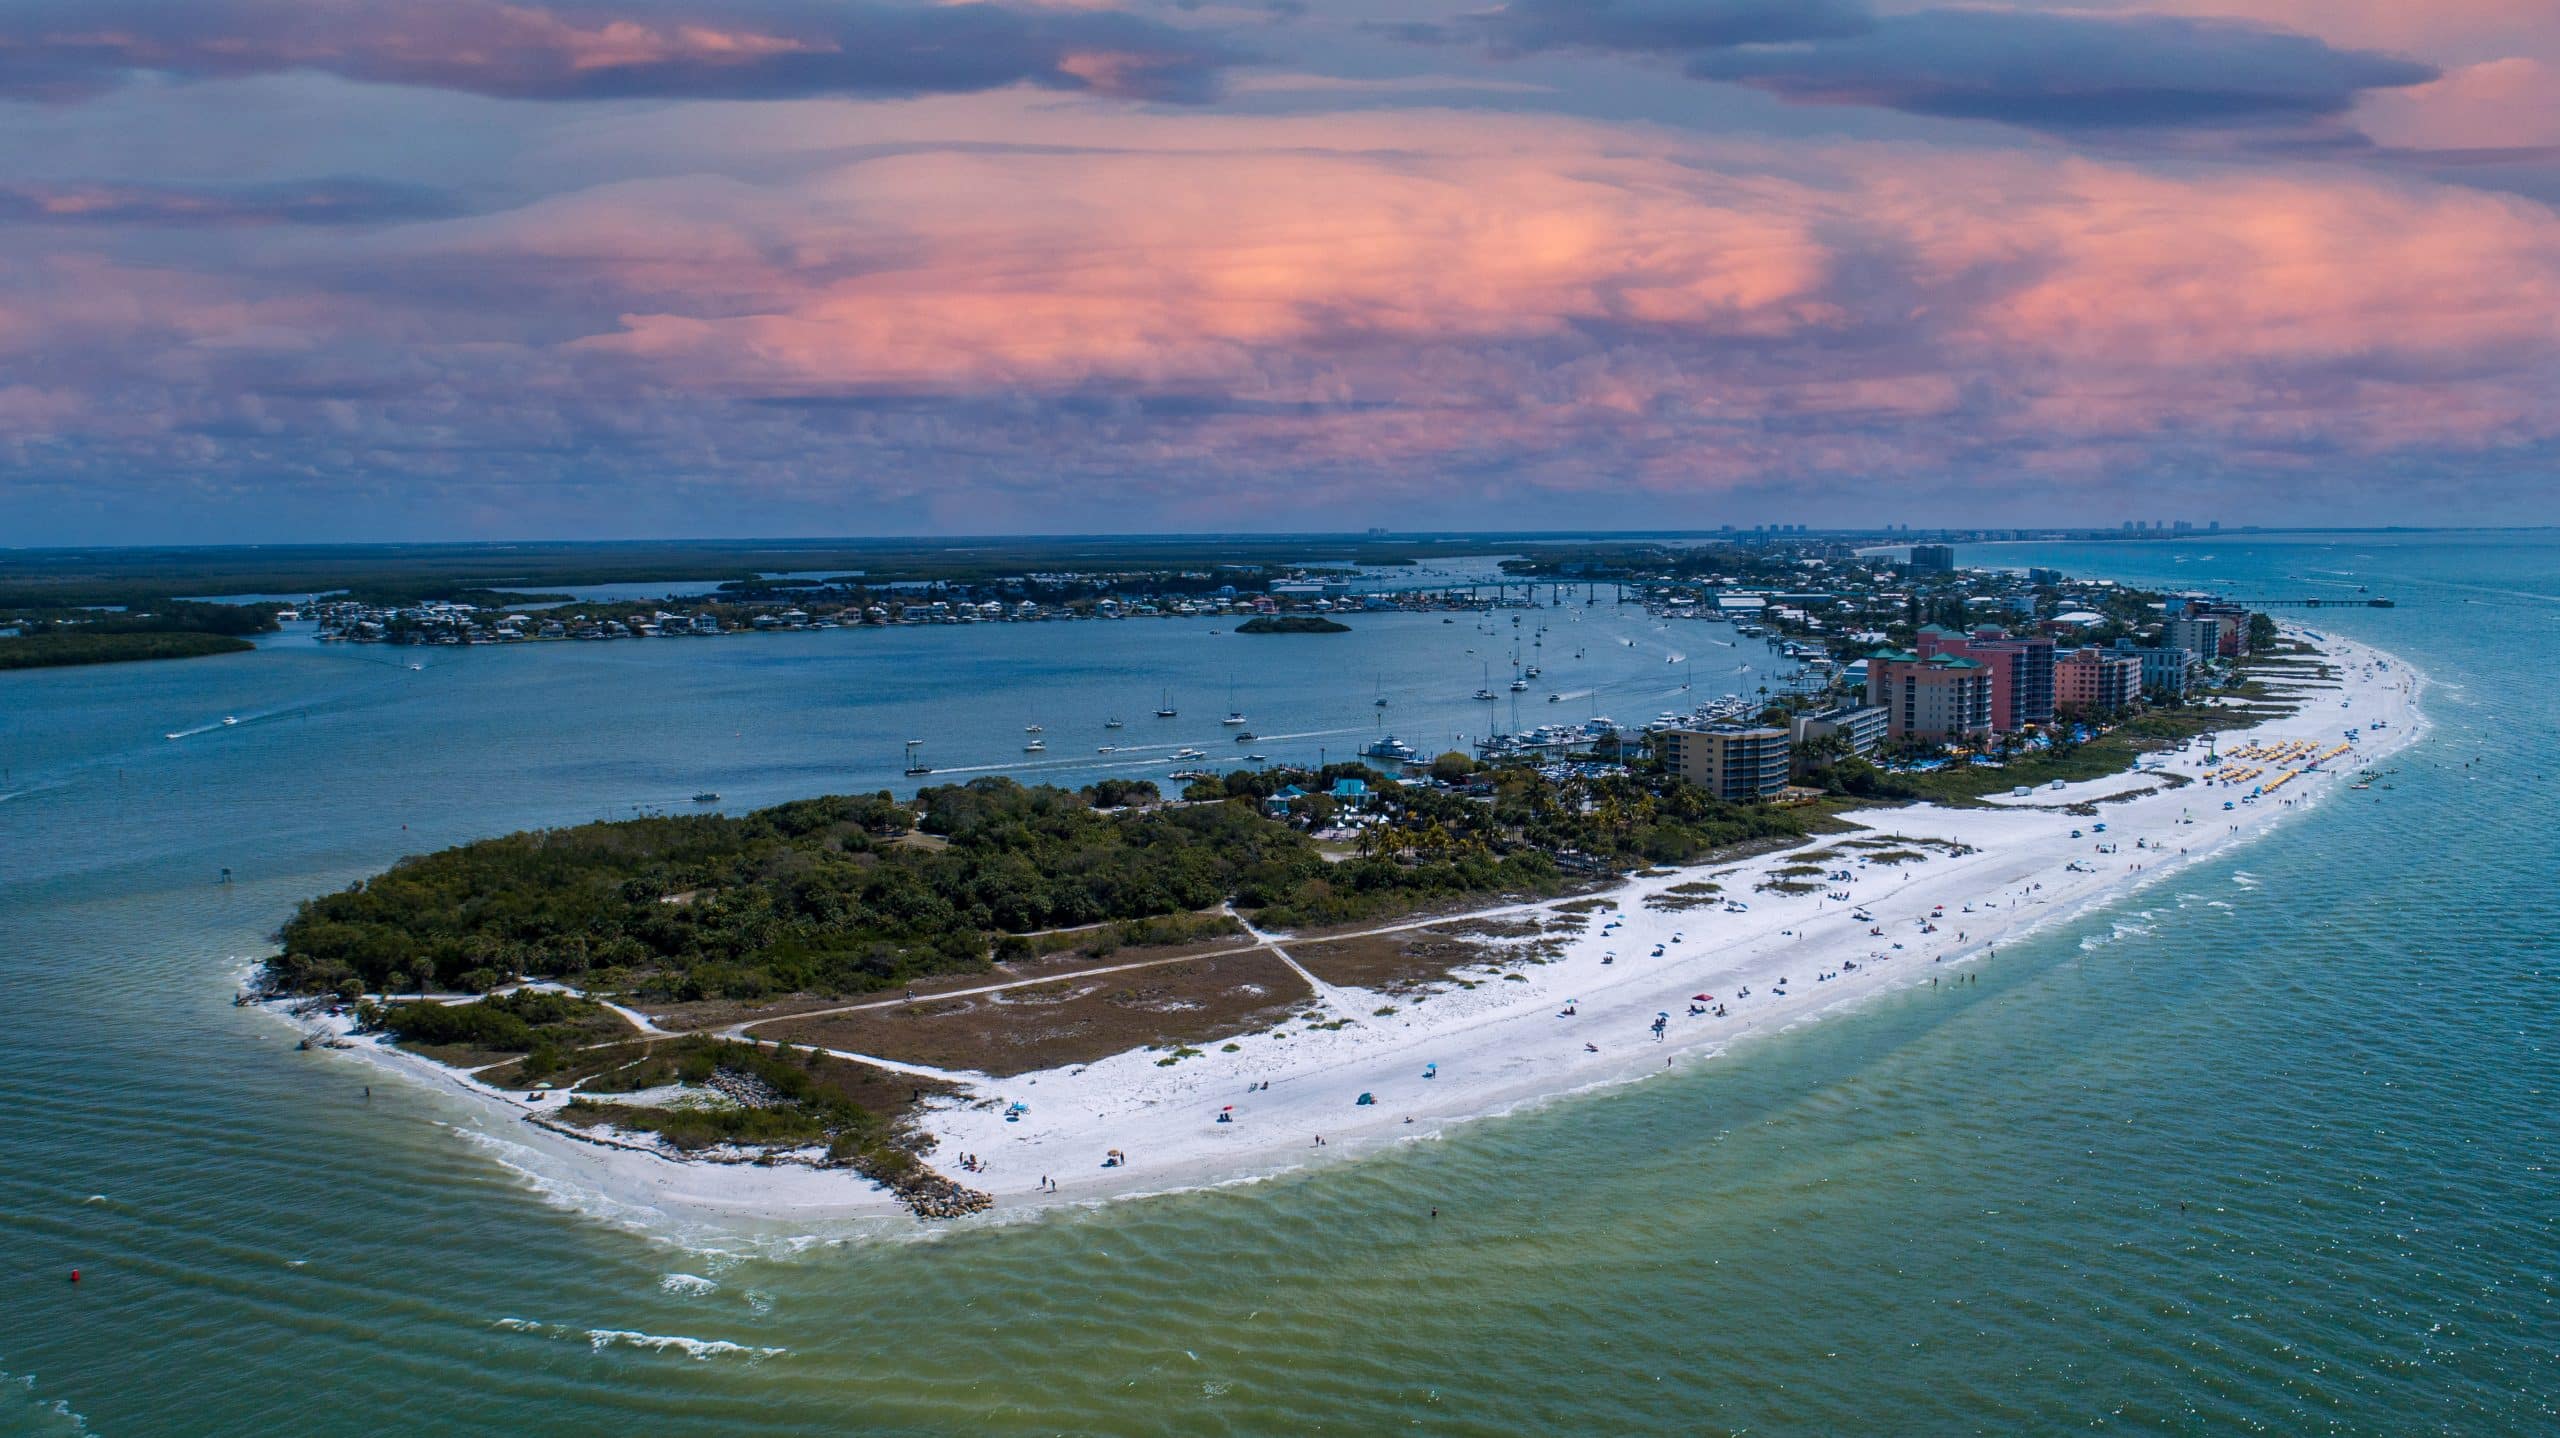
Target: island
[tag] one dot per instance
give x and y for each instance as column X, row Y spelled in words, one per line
column 1292, row 624
column 46, row 639
column 998, row 992
column 699, row 985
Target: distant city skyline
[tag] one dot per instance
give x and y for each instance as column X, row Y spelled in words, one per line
column 463, row 269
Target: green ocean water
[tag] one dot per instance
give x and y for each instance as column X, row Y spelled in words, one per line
column 2268, row 1146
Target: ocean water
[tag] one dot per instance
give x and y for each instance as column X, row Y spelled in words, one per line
column 2268, row 1147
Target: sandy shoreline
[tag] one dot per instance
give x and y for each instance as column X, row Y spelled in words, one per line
column 1998, row 872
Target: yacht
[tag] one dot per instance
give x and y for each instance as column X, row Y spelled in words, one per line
column 1036, row 746
column 1519, row 686
column 1389, row 747
column 1181, row 754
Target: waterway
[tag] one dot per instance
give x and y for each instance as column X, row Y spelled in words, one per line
column 2267, row 1149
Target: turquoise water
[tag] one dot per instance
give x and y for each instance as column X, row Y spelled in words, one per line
column 2265, row 1148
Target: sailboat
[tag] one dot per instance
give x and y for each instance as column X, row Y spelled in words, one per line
column 916, row 765
column 1235, row 716
column 1166, row 709
column 1381, row 700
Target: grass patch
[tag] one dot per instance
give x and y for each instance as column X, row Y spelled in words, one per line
column 1076, row 1019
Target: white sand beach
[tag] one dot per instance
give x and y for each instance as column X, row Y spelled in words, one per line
column 1986, row 877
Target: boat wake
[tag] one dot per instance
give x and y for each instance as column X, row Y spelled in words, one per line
column 600, row 1339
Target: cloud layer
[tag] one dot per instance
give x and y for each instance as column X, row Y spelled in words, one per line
column 592, row 49
column 843, row 267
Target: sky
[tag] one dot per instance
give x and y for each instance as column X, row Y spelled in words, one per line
column 484, row 269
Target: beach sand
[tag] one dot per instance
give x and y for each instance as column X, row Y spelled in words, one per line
column 1988, row 877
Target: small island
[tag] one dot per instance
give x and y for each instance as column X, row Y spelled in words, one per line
column 1291, row 624
column 165, row 629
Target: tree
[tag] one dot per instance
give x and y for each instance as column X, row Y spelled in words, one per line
column 1451, row 767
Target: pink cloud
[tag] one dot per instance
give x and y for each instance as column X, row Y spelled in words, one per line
column 2492, row 105
column 1361, row 305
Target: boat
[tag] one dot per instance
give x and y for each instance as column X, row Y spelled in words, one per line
column 227, row 719
column 707, row 796
column 1190, row 754
column 1233, row 717
column 1112, row 723
column 1519, row 686
column 1166, row 709
column 1246, row 737
column 914, row 764
column 1487, row 695
column 1389, row 747
column 1257, row 759
column 1036, row 746
column 1032, row 729
column 1555, row 699
column 1107, row 749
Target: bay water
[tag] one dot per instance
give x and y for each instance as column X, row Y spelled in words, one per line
column 2267, row 1146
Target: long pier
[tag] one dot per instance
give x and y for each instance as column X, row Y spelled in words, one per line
column 2376, row 603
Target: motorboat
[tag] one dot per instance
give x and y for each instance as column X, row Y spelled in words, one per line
column 707, row 796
